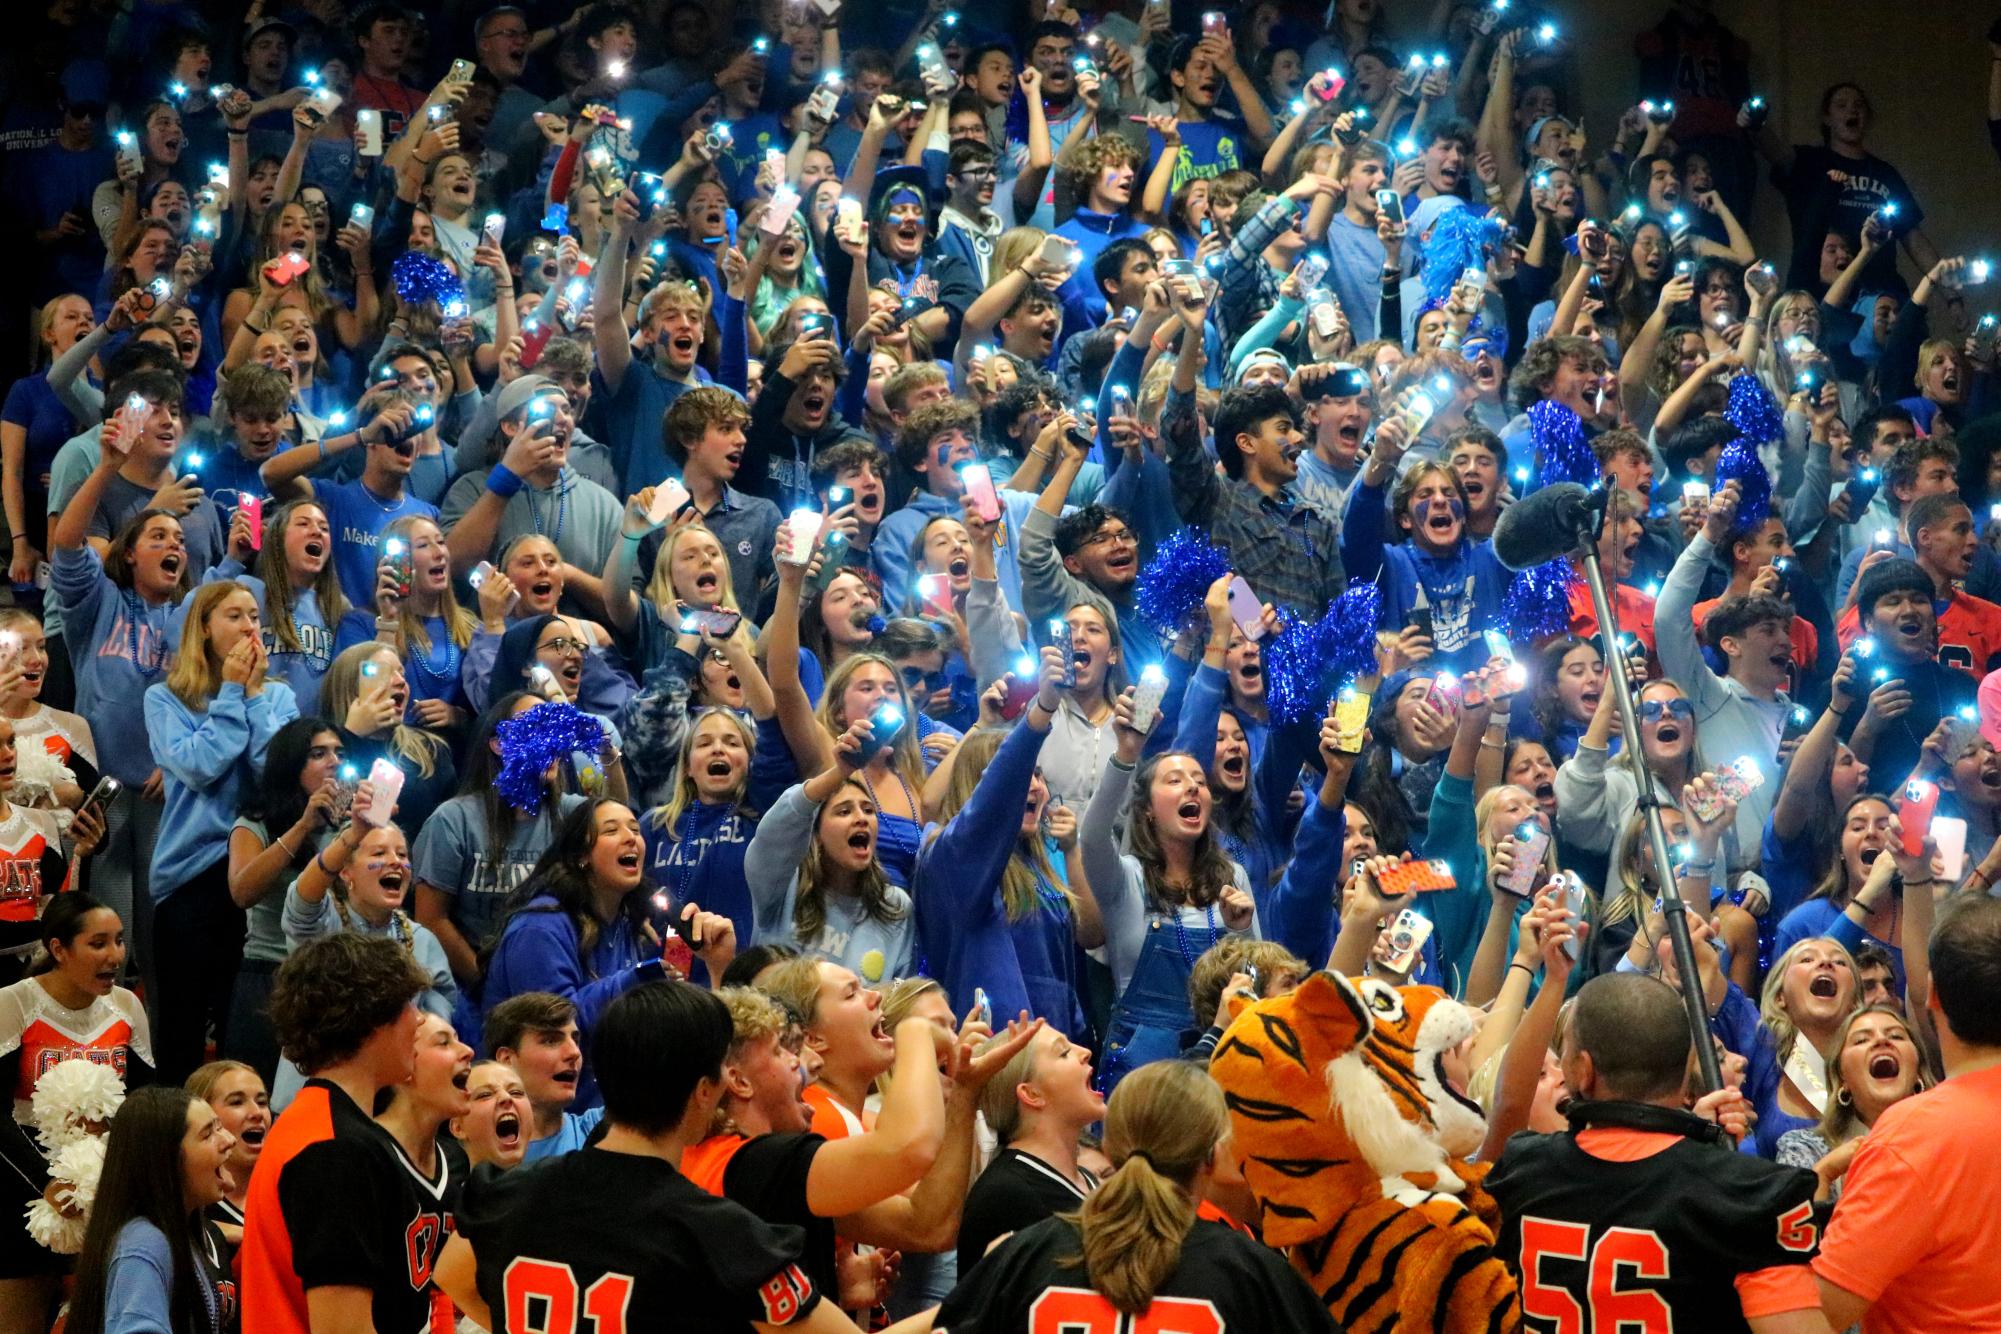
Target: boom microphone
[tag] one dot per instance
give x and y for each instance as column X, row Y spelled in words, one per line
column 1551, row 522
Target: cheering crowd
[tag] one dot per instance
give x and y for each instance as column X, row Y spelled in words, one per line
column 706, row 665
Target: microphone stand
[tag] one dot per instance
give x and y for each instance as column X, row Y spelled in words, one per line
column 1672, row 908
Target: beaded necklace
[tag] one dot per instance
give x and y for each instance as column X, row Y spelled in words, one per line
column 439, row 678
column 1189, row 954
column 917, row 812
column 562, row 493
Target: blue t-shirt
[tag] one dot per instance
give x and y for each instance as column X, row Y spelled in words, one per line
column 33, row 406
column 1355, row 273
column 632, row 415
column 357, row 518
column 1208, row 149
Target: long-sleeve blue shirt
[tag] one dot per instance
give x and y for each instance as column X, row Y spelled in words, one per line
column 119, row 646
column 210, row 762
column 1464, row 588
column 963, row 929
column 538, row 951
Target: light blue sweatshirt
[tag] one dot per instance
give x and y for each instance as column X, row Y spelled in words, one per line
column 118, row 646
column 210, row 762
column 304, row 669
column 877, row 951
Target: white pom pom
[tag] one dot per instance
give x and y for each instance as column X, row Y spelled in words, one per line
column 36, row 774
column 79, row 1165
column 69, row 1096
column 52, row 1229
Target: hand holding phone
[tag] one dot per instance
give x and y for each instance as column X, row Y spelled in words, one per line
column 385, row 783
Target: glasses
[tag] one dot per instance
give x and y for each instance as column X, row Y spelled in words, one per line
column 979, row 174
column 916, row 678
column 1106, row 535
column 562, row 644
column 1653, row 710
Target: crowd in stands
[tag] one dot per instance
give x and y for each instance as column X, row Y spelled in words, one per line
column 715, row 665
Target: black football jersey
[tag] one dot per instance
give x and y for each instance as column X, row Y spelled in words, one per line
column 1034, row 1283
column 595, row 1242
column 1603, row 1247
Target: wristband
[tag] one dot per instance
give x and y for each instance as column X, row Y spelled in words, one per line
column 1524, row 967
column 503, row 481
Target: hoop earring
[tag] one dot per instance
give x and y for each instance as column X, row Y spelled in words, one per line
column 1844, row 1098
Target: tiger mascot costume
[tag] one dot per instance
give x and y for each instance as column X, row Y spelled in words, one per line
column 1351, row 1141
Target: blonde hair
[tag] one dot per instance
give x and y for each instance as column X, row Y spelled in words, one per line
column 905, row 757
column 279, row 596
column 459, row 623
column 1013, row 246
column 1483, row 810
column 1162, row 1126
column 660, row 588
column 203, row 1081
column 1028, row 865
column 753, row 1015
column 899, row 998
column 341, row 686
column 196, row 675
column 667, row 815
column 795, row 984
column 999, row 1104
column 1771, row 1001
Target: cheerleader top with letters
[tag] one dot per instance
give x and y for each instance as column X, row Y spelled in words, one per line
column 37, row 1032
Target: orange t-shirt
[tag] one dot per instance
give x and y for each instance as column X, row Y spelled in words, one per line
column 1915, row 1232
column 1634, row 609
column 1969, row 633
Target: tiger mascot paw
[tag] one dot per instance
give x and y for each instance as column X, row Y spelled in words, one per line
column 1353, row 1140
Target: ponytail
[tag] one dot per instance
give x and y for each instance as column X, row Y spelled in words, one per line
column 1161, row 1128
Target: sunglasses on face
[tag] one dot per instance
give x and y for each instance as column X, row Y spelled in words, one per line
column 1653, row 710
column 916, row 678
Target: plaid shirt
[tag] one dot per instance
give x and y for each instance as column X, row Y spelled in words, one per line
column 1248, row 286
column 1288, row 552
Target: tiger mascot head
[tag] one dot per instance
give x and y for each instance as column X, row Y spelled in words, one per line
column 1352, row 1140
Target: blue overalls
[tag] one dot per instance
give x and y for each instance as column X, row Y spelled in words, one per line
column 1152, row 1013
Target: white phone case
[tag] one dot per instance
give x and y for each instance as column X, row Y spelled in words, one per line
column 387, row 781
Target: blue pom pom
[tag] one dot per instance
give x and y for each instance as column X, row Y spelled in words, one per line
column 1350, row 635
column 1753, row 411
column 533, row 741
column 1537, row 605
column 420, row 278
column 875, row 625
column 1461, row 239
column 1174, row 583
column 1739, row 463
column 1296, row 670
column 1562, row 454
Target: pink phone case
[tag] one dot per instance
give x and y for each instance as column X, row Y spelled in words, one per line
column 980, row 490
column 1914, row 814
column 253, row 514
column 1526, row 872
column 387, row 781
column 1245, row 609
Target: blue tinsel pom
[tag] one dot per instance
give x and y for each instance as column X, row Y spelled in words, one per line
column 1739, row 463
column 530, row 743
column 420, row 278
column 1562, row 454
column 1350, row 636
column 1537, row 605
column 1753, row 411
column 1295, row 663
column 875, row 626
column 1174, row 583
column 1461, row 239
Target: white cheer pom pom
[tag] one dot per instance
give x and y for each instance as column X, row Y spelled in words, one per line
column 55, row 1230
column 78, row 1166
column 70, row 1097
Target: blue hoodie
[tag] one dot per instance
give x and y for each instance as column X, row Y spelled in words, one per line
column 209, row 761
column 119, row 646
column 963, row 929
column 891, row 548
column 702, row 862
column 538, row 952
column 1368, row 554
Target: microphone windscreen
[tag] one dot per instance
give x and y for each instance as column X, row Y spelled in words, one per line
column 1543, row 525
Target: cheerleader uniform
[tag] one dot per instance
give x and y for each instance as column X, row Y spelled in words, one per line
column 37, row 1032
